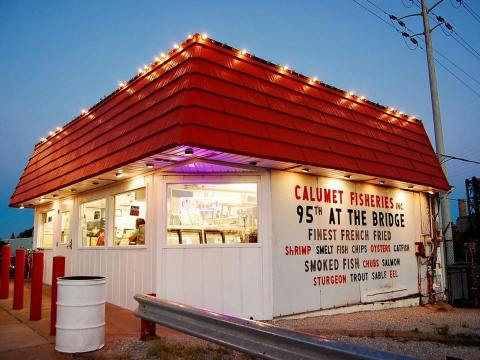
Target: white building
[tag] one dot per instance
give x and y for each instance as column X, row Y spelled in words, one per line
column 263, row 193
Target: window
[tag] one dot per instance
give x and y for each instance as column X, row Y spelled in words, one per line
column 65, row 228
column 46, row 226
column 212, row 213
column 92, row 222
column 129, row 220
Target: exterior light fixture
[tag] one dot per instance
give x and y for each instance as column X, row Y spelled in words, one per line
column 314, row 79
column 243, row 51
column 140, row 70
column 150, row 165
column 176, row 46
column 204, row 36
column 157, row 59
column 50, row 133
column 59, row 128
column 351, row 93
column 189, row 151
column 42, row 139
column 42, row 199
column 285, row 67
column 391, row 109
column 306, row 170
column 400, row 113
column 162, row 55
column 189, row 36
column 362, row 98
column 22, row 207
column 84, row 111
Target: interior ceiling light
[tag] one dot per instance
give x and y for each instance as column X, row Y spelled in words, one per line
column 253, row 163
column 410, row 187
column 119, row 173
column 189, row 151
column 55, row 196
column 306, row 170
column 382, row 182
column 347, row 176
column 150, row 165
column 430, row 192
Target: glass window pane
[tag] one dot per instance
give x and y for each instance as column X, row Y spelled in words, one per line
column 129, row 219
column 46, row 234
column 92, row 222
column 212, row 213
column 65, row 228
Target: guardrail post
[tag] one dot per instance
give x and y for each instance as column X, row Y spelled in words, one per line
column 58, row 270
column 147, row 327
column 5, row 285
column 19, row 281
column 36, row 289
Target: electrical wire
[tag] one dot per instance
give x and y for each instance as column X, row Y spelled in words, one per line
column 421, row 47
column 470, row 10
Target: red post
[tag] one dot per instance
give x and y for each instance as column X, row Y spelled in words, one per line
column 5, row 285
column 37, row 284
column 147, row 327
column 58, row 270
column 19, row 279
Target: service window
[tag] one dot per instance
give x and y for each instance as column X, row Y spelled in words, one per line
column 92, row 222
column 46, row 232
column 212, row 213
column 129, row 220
column 65, row 227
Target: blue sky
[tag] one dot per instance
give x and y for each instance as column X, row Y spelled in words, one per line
column 57, row 57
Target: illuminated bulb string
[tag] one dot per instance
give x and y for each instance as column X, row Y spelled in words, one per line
column 242, row 52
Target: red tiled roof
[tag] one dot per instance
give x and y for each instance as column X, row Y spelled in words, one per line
column 209, row 95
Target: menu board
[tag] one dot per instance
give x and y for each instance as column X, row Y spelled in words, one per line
column 341, row 242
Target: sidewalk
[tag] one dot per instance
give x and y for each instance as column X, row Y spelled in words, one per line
column 23, row 339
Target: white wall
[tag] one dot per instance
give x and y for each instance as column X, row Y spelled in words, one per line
column 230, row 278
column 296, row 287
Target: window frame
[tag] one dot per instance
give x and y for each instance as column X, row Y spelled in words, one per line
column 175, row 180
column 111, row 243
column 80, row 215
column 40, row 238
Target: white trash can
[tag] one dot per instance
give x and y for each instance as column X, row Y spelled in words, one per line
column 80, row 314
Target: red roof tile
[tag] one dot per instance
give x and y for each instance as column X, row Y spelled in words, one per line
column 207, row 95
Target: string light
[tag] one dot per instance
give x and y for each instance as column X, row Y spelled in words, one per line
column 243, row 52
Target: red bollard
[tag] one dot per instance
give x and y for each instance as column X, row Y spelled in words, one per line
column 19, row 279
column 58, row 270
column 5, row 285
column 147, row 327
column 36, row 289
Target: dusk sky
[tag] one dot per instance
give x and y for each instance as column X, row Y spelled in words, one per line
column 57, row 57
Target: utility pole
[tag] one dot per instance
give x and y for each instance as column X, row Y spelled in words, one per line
column 437, row 123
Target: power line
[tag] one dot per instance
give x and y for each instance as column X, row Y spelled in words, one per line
column 470, row 10
column 404, row 34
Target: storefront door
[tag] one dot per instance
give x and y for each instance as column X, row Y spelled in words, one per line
column 63, row 241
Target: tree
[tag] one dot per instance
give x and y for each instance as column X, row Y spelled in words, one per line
column 26, row 233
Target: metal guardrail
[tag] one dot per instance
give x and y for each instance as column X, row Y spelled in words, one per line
column 252, row 337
